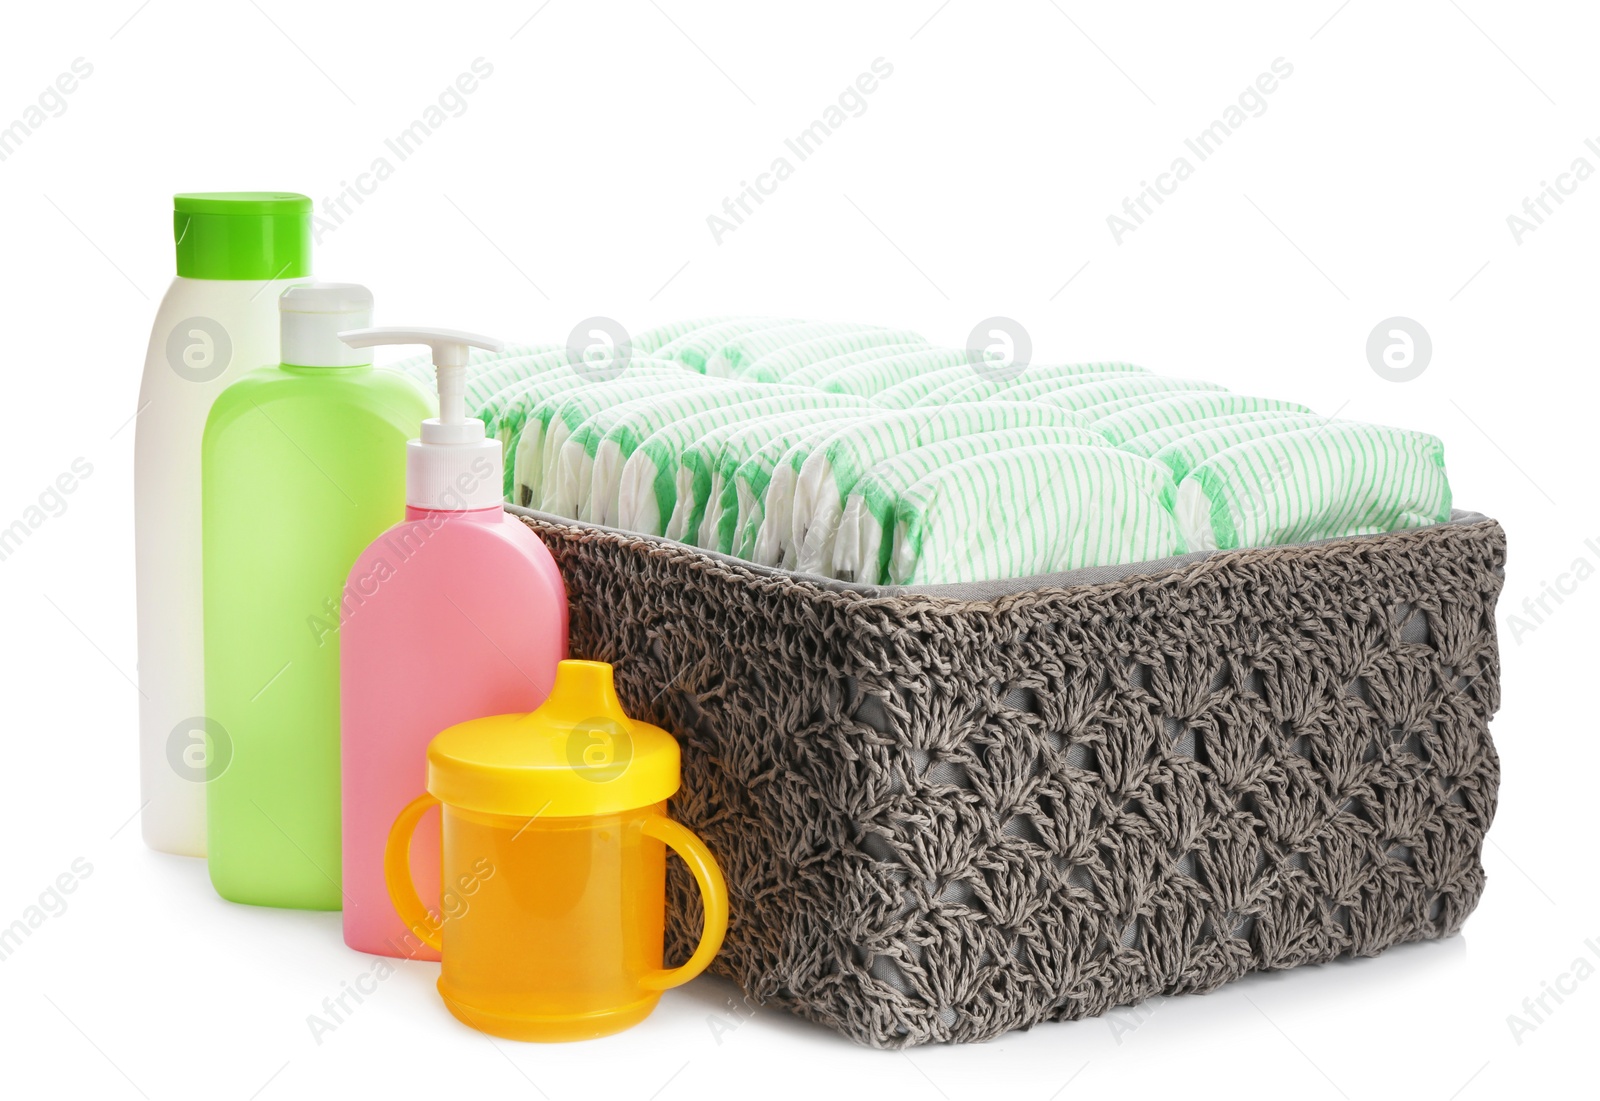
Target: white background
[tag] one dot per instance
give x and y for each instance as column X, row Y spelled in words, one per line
column 978, row 181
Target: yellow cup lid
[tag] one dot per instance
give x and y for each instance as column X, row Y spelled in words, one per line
column 577, row 754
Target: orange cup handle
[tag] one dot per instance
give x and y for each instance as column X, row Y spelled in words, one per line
column 397, row 872
column 713, row 895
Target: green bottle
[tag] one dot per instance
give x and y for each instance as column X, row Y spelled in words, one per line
column 302, row 466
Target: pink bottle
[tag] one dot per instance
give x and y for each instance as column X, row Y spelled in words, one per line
column 455, row 613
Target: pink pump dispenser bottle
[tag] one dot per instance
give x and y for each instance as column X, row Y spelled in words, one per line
column 455, row 613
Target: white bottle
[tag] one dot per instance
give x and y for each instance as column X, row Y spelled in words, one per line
column 237, row 252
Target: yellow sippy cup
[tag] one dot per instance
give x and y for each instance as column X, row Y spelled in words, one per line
column 554, row 865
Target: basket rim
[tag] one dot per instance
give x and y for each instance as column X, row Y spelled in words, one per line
column 987, row 593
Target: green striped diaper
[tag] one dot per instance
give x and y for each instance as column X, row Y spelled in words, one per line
column 555, row 416
column 707, row 464
column 504, row 412
column 1093, row 394
column 694, row 348
column 1341, row 478
column 572, row 446
column 1150, row 442
column 1094, row 414
column 646, row 486
column 494, row 376
column 866, row 530
column 650, row 340
column 1187, row 452
column 862, row 452
column 974, row 389
column 1182, row 408
column 810, row 487
column 1033, row 510
column 925, row 358
column 981, row 384
column 519, row 401
column 744, row 496
column 903, row 395
column 492, row 408
column 735, row 355
column 968, row 381
column 867, row 380
column 778, row 365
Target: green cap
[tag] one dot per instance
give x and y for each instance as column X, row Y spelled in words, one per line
column 242, row 235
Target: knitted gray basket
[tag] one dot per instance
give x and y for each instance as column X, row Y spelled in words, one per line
column 942, row 817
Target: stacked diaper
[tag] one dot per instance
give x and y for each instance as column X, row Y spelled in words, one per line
column 869, row 454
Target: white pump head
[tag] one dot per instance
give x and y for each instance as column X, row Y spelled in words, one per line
column 452, row 467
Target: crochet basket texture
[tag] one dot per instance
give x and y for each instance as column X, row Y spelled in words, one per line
column 941, row 819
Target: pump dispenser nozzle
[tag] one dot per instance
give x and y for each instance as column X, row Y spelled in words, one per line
column 452, row 467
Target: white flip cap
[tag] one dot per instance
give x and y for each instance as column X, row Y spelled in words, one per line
column 452, row 467
column 312, row 315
